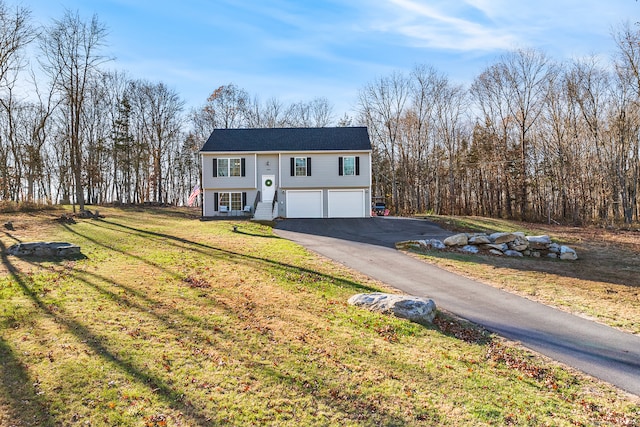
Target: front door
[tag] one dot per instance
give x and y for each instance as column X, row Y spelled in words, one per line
column 268, row 188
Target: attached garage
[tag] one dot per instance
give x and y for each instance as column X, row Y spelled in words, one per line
column 346, row 203
column 304, row 204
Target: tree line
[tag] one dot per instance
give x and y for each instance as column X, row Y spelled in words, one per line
column 73, row 131
column 530, row 138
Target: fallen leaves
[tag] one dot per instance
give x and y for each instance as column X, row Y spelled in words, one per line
column 195, row 282
column 157, row 420
column 514, row 360
column 462, row 330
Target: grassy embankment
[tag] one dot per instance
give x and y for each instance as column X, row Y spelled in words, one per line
column 166, row 320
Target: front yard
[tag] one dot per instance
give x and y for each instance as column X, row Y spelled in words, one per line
column 169, row 321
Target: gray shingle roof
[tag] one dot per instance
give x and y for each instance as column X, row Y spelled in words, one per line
column 289, row 139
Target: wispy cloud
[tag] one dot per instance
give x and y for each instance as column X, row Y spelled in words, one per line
column 294, row 49
column 444, row 26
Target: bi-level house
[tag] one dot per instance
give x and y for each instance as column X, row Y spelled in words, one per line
column 287, row 172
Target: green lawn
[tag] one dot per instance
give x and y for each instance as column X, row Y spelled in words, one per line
column 170, row 321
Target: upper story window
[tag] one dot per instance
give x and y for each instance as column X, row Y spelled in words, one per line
column 300, row 166
column 349, row 166
column 233, row 166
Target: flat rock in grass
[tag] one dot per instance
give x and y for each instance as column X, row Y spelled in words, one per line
column 44, row 249
column 416, row 309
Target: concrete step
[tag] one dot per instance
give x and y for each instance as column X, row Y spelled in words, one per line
column 263, row 211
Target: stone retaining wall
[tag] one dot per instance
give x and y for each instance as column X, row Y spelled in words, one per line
column 515, row 244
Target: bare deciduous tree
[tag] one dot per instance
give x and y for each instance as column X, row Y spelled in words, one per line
column 159, row 116
column 71, row 58
column 382, row 107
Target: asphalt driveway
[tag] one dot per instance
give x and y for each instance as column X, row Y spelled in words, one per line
column 367, row 245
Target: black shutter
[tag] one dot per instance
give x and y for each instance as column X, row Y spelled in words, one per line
column 244, row 198
column 357, row 165
column 340, row 166
column 215, row 201
column 293, row 166
column 243, row 167
column 215, row 169
column 308, row 166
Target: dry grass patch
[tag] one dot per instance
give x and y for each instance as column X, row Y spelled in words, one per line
column 167, row 320
column 603, row 284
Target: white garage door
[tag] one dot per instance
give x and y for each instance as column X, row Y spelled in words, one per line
column 304, row 204
column 346, row 203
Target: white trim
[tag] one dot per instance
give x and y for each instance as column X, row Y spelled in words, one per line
column 202, row 190
column 279, row 168
column 255, row 170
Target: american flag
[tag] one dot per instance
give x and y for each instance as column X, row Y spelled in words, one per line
column 194, row 195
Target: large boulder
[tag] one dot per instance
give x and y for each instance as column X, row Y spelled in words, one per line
column 554, row 248
column 479, row 239
column 501, row 247
column 431, row 244
column 457, row 240
column 469, row 249
column 539, row 242
column 567, row 253
column 436, row 244
column 503, row 237
column 416, row 309
column 520, row 243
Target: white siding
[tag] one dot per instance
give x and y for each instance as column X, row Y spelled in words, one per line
column 324, row 171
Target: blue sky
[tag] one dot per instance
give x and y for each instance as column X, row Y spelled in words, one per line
column 297, row 50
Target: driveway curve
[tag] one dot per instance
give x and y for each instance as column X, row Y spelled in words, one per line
column 367, row 245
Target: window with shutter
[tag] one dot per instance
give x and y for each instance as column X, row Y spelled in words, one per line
column 234, row 166
column 300, row 166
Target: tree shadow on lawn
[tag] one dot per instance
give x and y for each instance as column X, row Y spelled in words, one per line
column 25, row 405
column 246, row 233
column 85, row 335
column 193, row 330
column 235, row 256
column 340, row 400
